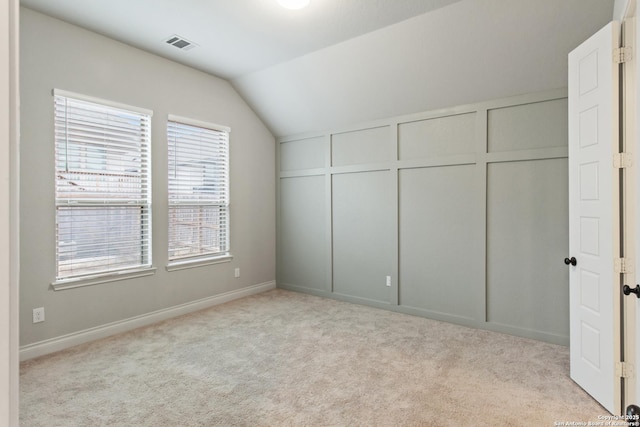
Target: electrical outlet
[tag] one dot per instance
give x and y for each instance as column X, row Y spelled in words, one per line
column 237, row 272
column 389, row 281
column 38, row 315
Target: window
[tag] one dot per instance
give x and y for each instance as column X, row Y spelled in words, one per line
column 198, row 190
column 103, row 187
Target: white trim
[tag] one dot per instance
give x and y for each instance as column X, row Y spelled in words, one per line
column 112, row 276
column 197, row 262
column 87, row 98
column 52, row 345
column 199, row 123
column 9, row 213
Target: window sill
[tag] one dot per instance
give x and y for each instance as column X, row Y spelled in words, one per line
column 102, row 278
column 199, row 262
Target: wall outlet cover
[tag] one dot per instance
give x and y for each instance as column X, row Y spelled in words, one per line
column 38, row 315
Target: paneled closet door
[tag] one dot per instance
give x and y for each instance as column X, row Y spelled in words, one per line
column 593, row 217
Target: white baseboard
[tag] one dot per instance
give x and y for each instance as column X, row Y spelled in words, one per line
column 52, row 345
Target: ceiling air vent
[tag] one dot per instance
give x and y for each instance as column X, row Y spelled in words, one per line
column 180, row 42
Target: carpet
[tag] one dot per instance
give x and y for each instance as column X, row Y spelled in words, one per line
column 284, row 358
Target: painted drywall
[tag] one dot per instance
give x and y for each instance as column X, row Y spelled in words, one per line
column 55, row 54
column 467, row 52
column 620, row 9
column 465, row 209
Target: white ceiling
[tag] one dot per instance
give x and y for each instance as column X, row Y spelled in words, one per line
column 469, row 51
column 340, row 62
column 234, row 37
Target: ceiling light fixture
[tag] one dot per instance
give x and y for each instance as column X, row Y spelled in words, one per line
column 293, row 4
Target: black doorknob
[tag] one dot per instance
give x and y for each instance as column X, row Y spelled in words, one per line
column 633, row 415
column 626, row 289
column 572, row 261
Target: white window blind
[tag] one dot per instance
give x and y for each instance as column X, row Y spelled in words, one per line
column 103, row 188
column 198, row 189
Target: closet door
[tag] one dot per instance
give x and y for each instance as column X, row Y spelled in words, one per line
column 593, row 217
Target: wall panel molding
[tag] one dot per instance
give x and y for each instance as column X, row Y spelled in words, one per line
column 450, row 175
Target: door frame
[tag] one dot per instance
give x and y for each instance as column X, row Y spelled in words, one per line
column 630, row 180
column 628, row 115
column 9, row 213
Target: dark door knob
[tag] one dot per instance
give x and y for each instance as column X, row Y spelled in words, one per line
column 626, row 289
column 633, row 415
column 572, row 261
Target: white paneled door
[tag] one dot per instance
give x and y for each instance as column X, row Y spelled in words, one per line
column 593, row 212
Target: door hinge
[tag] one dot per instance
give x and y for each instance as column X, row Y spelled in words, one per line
column 622, row 160
column 622, row 55
column 624, row 370
column 622, row 265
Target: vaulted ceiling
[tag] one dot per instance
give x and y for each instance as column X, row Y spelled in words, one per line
column 339, row 62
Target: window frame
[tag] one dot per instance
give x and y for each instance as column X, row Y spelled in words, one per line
column 179, row 262
column 111, row 199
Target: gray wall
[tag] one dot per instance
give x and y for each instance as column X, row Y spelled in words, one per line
column 465, row 209
column 58, row 55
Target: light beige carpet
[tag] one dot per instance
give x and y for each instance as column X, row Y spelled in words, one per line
column 289, row 359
